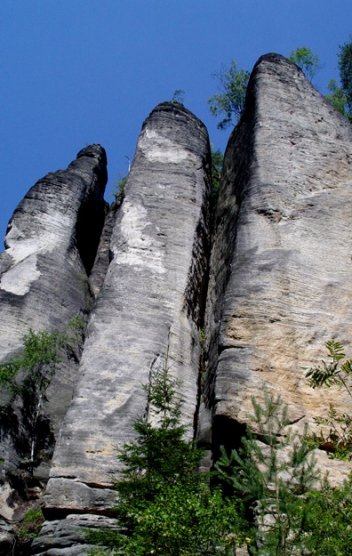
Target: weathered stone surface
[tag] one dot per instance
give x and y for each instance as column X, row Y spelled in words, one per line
column 281, row 272
column 69, row 536
column 50, row 245
column 7, row 537
column 69, row 496
column 149, row 310
column 104, row 255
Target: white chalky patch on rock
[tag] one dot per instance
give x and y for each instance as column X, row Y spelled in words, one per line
column 19, row 277
column 141, row 249
column 157, row 148
column 7, row 510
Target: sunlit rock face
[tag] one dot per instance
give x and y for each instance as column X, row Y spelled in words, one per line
column 281, row 271
column 51, row 244
column 278, row 285
column 148, row 312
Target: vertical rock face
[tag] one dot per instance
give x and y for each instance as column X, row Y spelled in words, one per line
column 281, row 271
column 50, row 244
column 148, row 312
column 50, row 247
column 280, row 285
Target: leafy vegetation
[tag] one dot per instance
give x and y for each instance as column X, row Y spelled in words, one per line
column 345, row 68
column 305, row 59
column 165, row 506
column 120, row 191
column 217, row 160
column 328, row 521
column 28, row 375
column 229, row 104
column 265, row 495
column 336, row 436
column 40, row 348
column 272, row 472
column 178, row 96
column 337, row 97
column 30, row 525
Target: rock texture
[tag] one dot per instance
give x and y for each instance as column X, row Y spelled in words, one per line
column 51, row 243
column 148, row 312
column 68, row 537
column 281, row 270
column 279, row 285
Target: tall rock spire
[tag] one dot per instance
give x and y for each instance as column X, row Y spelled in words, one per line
column 50, row 245
column 281, row 271
column 148, row 312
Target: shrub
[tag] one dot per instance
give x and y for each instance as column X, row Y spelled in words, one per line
column 337, row 371
column 27, row 377
column 30, row 525
column 272, row 473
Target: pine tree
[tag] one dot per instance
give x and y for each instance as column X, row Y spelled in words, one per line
column 272, row 473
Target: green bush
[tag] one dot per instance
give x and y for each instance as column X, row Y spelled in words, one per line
column 336, row 437
column 328, row 521
column 27, row 376
column 271, row 473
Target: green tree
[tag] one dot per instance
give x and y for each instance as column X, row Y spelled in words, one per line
column 345, row 67
column 304, row 58
column 178, row 96
column 229, row 104
column 166, row 507
column 337, row 97
column 272, row 473
column 217, row 160
column 119, row 194
column 328, row 520
column 341, row 95
column 27, row 376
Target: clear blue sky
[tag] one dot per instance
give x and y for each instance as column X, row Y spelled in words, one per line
column 75, row 72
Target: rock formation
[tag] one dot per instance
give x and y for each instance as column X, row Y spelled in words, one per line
column 276, row 286
column 147, row 315
column 281, row 273
column 50, row 243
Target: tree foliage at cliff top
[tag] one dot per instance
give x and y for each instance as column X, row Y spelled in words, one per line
column 304, row 58
column 345, row 67
column 229, row 103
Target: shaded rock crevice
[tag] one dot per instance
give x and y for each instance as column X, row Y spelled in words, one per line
column 235, row 176
column 104, row 253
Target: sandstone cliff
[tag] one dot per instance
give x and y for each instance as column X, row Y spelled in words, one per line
column 147, row 315
column 50, row 243
column 276, row 286
column 281, row 273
